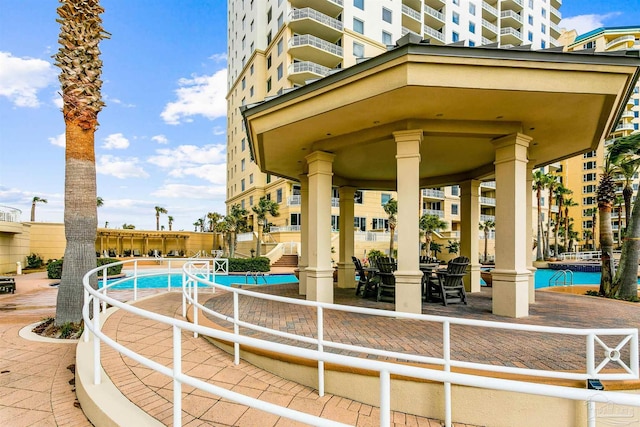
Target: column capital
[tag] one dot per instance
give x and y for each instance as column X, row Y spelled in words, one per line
column 512, row 139
column 320, row 162
column 320, row 156
column 408, row 135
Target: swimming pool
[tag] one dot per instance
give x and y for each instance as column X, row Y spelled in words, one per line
column 543, row 275
column 161, row 280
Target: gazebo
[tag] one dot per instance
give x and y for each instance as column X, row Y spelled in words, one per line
column 423, row 115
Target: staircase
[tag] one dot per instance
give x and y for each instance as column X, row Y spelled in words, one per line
column 286, row 261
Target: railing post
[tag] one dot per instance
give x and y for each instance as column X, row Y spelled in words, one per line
column 633, row 357
column 96, row 342
column 385, row 398
column 177, row 371
column 86, row 303
column 320, row 349
column 236, row 328
column 169, row 276
column 104, row 285
column 446, row 349
column 135, row 280
column 195, row 306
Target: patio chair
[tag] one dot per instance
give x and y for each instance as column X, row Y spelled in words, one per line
column 364, row 280
column 387, row 285
column 447, row 286
column 7, row 284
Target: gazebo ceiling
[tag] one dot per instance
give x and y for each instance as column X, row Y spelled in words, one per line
column 462, row 99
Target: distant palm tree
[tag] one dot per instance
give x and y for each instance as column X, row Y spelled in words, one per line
column 170, row 219
column 126, row 226
column 262, row 209
column 159, row 210
column 33, row 206
column 99, row 202
column 606, row 195
column 430, row 224
column 198, row 224
column 80, row 66
column 391, row 209
column 213, row 219
column 540, row 181
column 106, row 224
column 486, row 227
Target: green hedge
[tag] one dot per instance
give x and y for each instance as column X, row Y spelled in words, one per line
column 249, row 264
column 54, row 269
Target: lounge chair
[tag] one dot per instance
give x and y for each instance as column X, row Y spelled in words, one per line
column 365, row 281
column 136, row 252
column 7, row 284
column 387, row 285
column 447, row 286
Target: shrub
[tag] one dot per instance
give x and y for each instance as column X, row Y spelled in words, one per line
column 249, row 264
column 54, row 269
column 34, row 261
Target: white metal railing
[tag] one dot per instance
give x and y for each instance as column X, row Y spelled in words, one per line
column 433, row 12
column 511, row 14
column 430, row 192
column 488, row 201
column 9, row 214
column 411, row 12
column 491, row 235
column 335, row 202
column 433, row 33
column 199, row 272
column 309, row 67
column 374, row 236
column 488, row 184
column 437, row 212
column 284, row 228
column 510, row 31
column 294, row 200
column 490, row 26
column 245, row 237
column 308, row 39
column 486, row 6
column 484, row 218
column 308, row 12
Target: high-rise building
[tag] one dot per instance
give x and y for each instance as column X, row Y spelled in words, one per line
column 277, row 45
column 581, row 174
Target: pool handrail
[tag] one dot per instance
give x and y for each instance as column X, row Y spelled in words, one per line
column 190, row 293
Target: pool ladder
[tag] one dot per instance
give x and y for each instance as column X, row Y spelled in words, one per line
column 561, row 278
column 254, row 275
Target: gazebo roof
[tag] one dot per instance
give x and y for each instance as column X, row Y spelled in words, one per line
column 462, row 98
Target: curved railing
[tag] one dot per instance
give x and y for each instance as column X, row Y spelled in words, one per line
column 196, row 272
column 9, row 214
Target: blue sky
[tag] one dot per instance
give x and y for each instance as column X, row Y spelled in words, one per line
column 161, row 140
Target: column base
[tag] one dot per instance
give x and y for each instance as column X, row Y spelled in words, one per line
column 346, row 275
column 302, row 279
column 532, row 284
column 472, row 279
column 409, row 291
column 319, row 284
column 510, row 293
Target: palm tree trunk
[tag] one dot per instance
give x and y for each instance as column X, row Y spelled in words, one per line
column 626, row 279
column 80, row 222
column 392, row 232
column 33, row 211
column 606, row 246
column 539, row 245
column 260, row 228
column 486, row 244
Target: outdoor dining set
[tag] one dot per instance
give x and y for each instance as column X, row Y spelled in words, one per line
column 440, row 283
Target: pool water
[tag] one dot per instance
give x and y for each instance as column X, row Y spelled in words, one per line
column 543, row 275
column 176, row 281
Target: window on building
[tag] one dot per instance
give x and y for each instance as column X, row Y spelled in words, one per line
column 589, row 188
column 294, row 219
column 456, row 18
column 357, row 197
column 242, row 184
column 269, row 15
column 269, row 38
column 472, row 9
column 358, row 26
column 530, row 19
column 588, row 200
column 455, row 190
column 269, row 85
column 279, row 195
column 387, row 15
column 242, row 164
column 242, row 203
column 380, row 224
column 251, row 26
column 250, row 178
column 250, row 200
column 280, row 20
column 358, row 50
column 386, row 38
column 456, row 2
column 359, row 4
column 531, row 4
column 251, row 91
column 280, row 46
column 360, row 222
column 589, row 155
column 244, row 83
column 280, row 71
column 530, row 36
column 543, row 44
column 335, row 222
column 544, row 13
column 472, row 27
column 268, row 178
column 589, row 165
column 587, row 224
column 543, row 28
column 455, row 36
column 384, row 198
column 454, row 209
column 472, row 43
column 251, row 70
column 268, row 62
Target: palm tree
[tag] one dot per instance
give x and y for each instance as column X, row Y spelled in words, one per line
column 99, row 202
column 568, row 203
column 552, row 184
column 606, row 195
column 213, row 218
column 561, row 192
column 235, row 222
column 126, row 226
column 486, row 227
column 618, row 202
column 80, row 66
column 198, row 224
column 33, row 206
column 159, row 210
column 391, row 209
column 627, row 165
column 626, row 280
column 430, row 224
column 262, row 209
column 170, row 219
column 540, row 180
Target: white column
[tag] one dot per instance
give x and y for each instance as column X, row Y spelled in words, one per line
column 346, row 268
column 511, row 276
column 303, row 262
column 408, row 275
column 530, row 216
column 470, row 232
column 319, row 270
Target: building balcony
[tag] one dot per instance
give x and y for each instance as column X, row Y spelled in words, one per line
column 625, row 127
column 627, row 114
column 489, row 29
column 435, row 212
column 300, row 72
column 555, row 30
column 488, row 201
column 516, row 5
column 509, row 35
column 433, row 34
column 556, row 3
column 433, row 17
column 328, row 7
column 488, row 41
column 315, row 49
column 284, row 229
column 432, row 194
column 294, row 200
column 556, row 16
column 484, row 218
column 436, row 4
column 488, row 184
column 489, row 12
column 509, row 18
column 310, row 21
column 411, row 19
column 622, row 42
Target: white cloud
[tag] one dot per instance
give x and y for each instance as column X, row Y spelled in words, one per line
column 115, row 141
column 57, row 100
column 160, row 139
column 219, row 57
column 22, row 78
column 585, row 23
column 184, row 191
column 120, row 168
column 59, row 141
column 188, row 155
column 215, row 174
column 219, row 130
column 198, row 96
